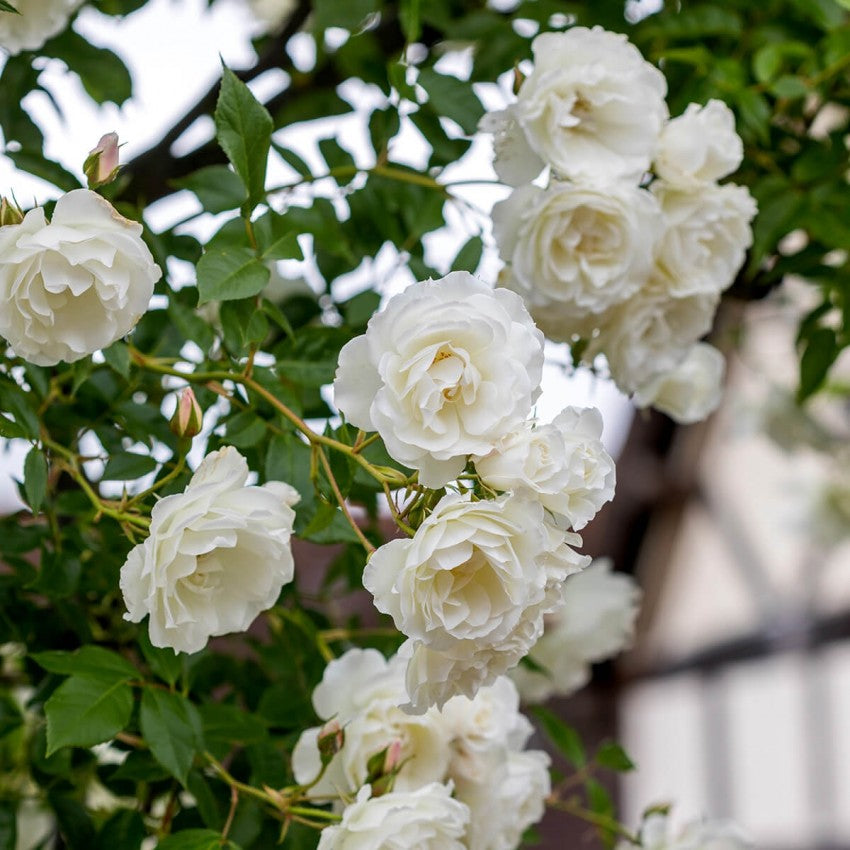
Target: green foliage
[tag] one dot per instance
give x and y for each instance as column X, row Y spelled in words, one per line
column 172, row 727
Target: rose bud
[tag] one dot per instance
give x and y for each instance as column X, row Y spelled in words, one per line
column 188, row 418
column 9, row 213
column 101, row 165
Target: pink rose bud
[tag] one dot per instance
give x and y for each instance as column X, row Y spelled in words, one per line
column 9, row 213
column 188, row 418
column 101, row 165
column 330, row 741
column 393, row 754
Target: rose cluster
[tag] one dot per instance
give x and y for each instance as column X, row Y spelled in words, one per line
column 447, row 375
column 461, row 775
column 627, row 248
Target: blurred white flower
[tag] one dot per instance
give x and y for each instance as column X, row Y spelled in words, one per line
column 592, row 107
column 38, row 21
column 700, row 835
column 427, row 818
column 217, row 555
column 596, row 622
column 700, row 146
column 443, row 372
column 563, row 465
column 75, row 285
column 691, row 391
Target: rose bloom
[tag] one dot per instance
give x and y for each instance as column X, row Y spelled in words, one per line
column 691, row 391
column 563, row 465
column 584, row 247
column 700, row 835
column 699, row 147
column 705, row 237
column 427, row 818
column 218, row 554
column 362, row 691
column 470, row 588
column 593, row 107
column 75, row 285
column 39, row 21
column 596, row 622
column 443, row 372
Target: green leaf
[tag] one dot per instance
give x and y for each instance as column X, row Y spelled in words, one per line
column 411, row 24
column 337, row 157
column 86, row 711
column 611, row 755
column 127, row 466
column 244, row 130
column 125, row 830
column 218, row 188
column 8, row 815
column 172, row 728
column 34, row 163
column 349, row 15
column 818, row 356
column 165, row 663
column 453, row 98
column 196, row 839
column 230, row 273
column 469, row 256
column 89, row 662
column 117, row 357
column 564, row 738
column 35, row 478
column 276, row 237
column 8, row 7
column 9, row 429
column 103, row 75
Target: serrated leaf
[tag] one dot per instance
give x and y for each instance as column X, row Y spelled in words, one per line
column 452, row 98
column 244, row 130
column 611, row 755
column 564, row 738
column 89, row 662
column 35, row 478
column 86, row 711
column 218, row 188
column 127, row 466
column 172, row 728
column 196, row 839
column 277, row 239
column 230, row 273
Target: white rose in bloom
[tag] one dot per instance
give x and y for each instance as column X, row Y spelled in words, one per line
column 700, row 835
column 427, row 818
column 74, row 285
column 563, row 465
column 596, row 622
column 653, row 333
column 218, row 554
column 705, row 237
column 593, row 106
column 39, row 21
column 700, row 146
column 362, row 691
column 514, row 160
column 513, row 799
column 443, row 372
column 586, row 247
column 692, row 390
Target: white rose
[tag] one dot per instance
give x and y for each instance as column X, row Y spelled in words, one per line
column 596, row 622
column 38, row 21
column 218, row 554
column 584, row 247
column 272, row 14
column 652, row 333
column 74, row 285
column 692, row 390
column 443, row 372
column 513, row 799
column 427, row 818
column 563, row 465
column 362, row 691
column 705, row 237
column 471, row 588
column 700, row 146
column 593, row 106
column 700, row 835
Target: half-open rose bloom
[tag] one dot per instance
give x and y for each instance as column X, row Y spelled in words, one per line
column 38, row 21
column 471, row 588
column 562, row 464
column 443, row 372
column 593, row 107
column 584, row 247
column 428, row 818
column 76, row 284
column 218, row 554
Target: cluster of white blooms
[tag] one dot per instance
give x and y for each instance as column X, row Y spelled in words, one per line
column 632, row 240
column 217, row 555
column 38, row 21
column 73, row 285
column 596, row 622
column 473, row 746
column 447, row 374
column 656, row 834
